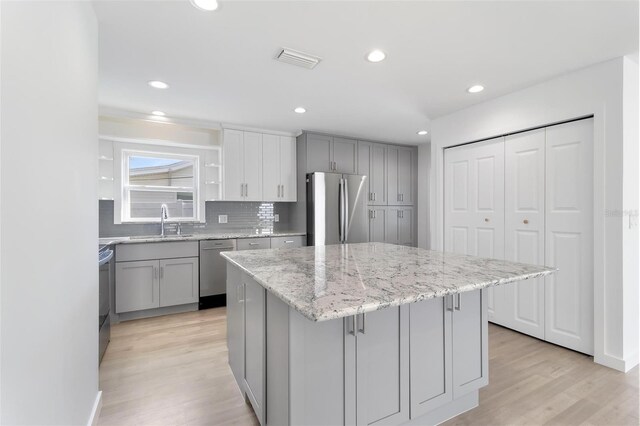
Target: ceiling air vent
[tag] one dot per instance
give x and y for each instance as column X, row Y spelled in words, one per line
column 293, row 57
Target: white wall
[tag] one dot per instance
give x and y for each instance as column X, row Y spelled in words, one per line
column 423, row 212
column 49, row 213
column 598, row 91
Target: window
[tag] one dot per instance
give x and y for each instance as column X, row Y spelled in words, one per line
column 151, row 179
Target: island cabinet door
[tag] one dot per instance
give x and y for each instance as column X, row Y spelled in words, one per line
column 254, row 345
column 382, row 367
column 235, row 323
column 469, row 342
column 430, row 355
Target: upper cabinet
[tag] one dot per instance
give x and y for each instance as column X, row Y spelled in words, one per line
column 400, row 172
column 258, row 167
column 372, row 163
column 278, row 168
column 331, row 154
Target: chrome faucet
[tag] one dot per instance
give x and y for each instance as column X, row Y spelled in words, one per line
column 164, row 215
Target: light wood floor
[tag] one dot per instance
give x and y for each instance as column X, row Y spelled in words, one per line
column 173, row 370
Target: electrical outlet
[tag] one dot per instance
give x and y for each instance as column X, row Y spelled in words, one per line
column 276, row 217
column 222, row 218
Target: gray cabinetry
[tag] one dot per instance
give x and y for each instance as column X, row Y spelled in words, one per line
column 156, row 275
column 423, row 361
column 399, row 228
column 254, row 358
column 449, row 354
column 288, row 242
column 345, row 155
column 400, row 175
column 319, row 153
column 137, row 285
column 178, row 281
column 372, row 163
column 377, row 224
column 235, row 322
column 382, row 366
column 470, row 372
column 330, row 154
column 254, row 243
column 430, row 355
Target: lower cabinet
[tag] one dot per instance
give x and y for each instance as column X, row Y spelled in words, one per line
column 137, row 285
column 382, row 366
column 156, row 275
column 178, row 281
column 235, row 322
column 449, row 352
column 423, row 361
column 393, row 225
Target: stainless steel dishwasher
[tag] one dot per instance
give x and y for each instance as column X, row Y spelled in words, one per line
column 213, row 272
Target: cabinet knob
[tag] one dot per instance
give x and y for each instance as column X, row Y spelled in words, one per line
column 486, row 219
column 526, row 221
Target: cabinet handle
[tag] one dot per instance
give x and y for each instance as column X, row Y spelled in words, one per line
column 351, row 328
column 402, row 197
column 288, row 242
column 155, row 272
column 239, row 293
column 282, row 191
column 362, row 329
column 526, row 221
column 458, row 302
column 375, row 196
column 449, row 302
column 161, row 272
column 254, row 244
column 486, row 219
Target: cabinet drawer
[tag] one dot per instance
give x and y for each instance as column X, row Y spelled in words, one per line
column 147, row 251
column 296, row 241
column 254, row 243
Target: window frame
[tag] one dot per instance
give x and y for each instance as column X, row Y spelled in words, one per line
column 126, row 187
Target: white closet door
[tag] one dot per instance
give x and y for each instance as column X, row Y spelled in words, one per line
column 569, row 235
column 474, row 206
column 524, row 228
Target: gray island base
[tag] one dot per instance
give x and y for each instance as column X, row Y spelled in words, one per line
column 361, row 334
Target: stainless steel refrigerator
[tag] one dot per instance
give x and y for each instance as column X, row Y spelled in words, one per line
column 336, row 209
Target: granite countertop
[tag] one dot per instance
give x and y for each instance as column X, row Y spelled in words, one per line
column 328, row 282
column 192, row 237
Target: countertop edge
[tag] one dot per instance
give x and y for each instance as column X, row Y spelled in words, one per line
column 195, row 237
column 378, row 306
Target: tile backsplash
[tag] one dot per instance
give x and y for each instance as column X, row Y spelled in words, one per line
column 241, row 217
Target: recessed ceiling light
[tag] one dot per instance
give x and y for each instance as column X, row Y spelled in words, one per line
column 422, row 132
column 300, row 110
column 475, row 89
column 158, row 113
column 158, row 84
column 376, row 56
column 207, row 5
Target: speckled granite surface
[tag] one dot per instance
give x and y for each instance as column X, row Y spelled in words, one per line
column 194, row 237
column 328, row 282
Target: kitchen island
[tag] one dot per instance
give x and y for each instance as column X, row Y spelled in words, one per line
column 366, row 333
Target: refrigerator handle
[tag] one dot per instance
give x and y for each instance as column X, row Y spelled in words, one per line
column 345, row 191
column 340, row 211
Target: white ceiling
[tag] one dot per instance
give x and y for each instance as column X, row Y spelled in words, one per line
column 220, row 64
